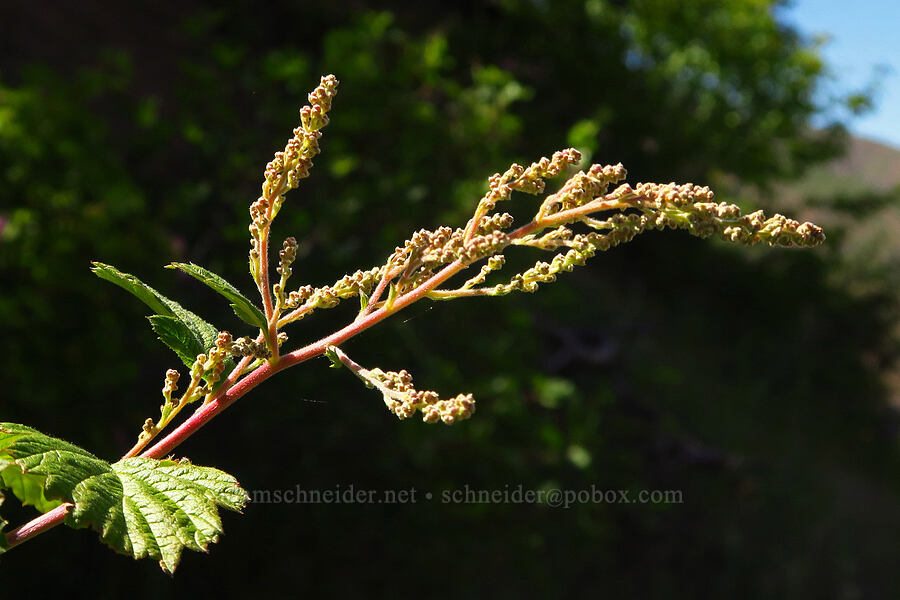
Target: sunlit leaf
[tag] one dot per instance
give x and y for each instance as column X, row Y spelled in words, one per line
column 243, row 307
column 141, row 507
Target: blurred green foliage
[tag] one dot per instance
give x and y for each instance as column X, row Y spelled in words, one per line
column 750, row 379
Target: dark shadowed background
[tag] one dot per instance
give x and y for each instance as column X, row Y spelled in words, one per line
column 762, row 384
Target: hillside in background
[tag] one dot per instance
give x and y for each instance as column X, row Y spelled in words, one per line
column 867, row 165
column 857, row 199
column 757, row 381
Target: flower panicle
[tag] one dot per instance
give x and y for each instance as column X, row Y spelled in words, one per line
column 691, row 207
column 329, row 296
column 518, row 178
column 431, row 257
column 616, row 217
column 284, row 172
column 401, row 397
column 581, row 188
column 287, row 256
column 288, row 167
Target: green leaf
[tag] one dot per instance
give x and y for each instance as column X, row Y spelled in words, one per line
column 146, row 294
column 141, row 507
column 28, row 488
column 201, row 335
column 205, row 333
column 243, row 307
column 175, row 334
column 155, row 508
column 42, row 470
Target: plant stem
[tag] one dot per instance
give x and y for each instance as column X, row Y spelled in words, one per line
column 378, row 291
column 209, row 410
column 264, row 290
column 461, row 293
column 39, row 525
column 295, row 314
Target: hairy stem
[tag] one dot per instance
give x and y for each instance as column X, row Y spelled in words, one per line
column 39, row 525
column 295, row 314
column 265, row 291
column 378, row 291
column 233, row 389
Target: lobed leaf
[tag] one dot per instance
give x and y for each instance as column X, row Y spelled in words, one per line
column 152, row 508
column 188, row 338
column 243, row 307
column 141, row 507
column 40, row 470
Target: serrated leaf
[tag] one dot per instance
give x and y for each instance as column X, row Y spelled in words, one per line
column 243, row 307
column 143, row 292
column 142, row 507
column 202, row 334
column 28, row 488
column 155, row 508
column 202, row 331
column 175, row 334
column 41, row 470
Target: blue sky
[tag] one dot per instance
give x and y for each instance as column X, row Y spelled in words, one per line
column 865, row 34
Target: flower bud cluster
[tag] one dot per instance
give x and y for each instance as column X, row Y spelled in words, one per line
column 215, row 364
column 246, row 346
column 443, row 245
column 671, row 194
column 500, row 188
column 284, row 172
column 287, row 168
column 582, row 187
column 422, row 252
column 320, row 100
column 428, row 247
column 404, row 400
column 494, row 263
column 351, row 285
column 646, row 207
column 171, row 384
column 427, row 250
column 330, row 296
column 483, row 245
column 691, row 207
column 299, row 296
column 495, row 222
column 518, row 178
column 543, row 272
column 287, row 256
column 531, row 180
column 209, row 367
column 777, row 230
column 259, row 221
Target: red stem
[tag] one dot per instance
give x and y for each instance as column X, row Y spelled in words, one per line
column 48, row 520
column 209, row 410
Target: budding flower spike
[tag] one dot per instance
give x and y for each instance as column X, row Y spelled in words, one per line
column 592, row 211
column 402, row 398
